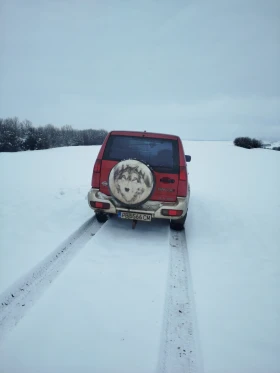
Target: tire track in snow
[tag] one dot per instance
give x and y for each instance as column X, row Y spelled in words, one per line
column 179, row 352
column 17, row 299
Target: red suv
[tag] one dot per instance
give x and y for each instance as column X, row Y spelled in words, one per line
column 141, row 176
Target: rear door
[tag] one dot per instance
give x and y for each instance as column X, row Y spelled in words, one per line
column 161, row 154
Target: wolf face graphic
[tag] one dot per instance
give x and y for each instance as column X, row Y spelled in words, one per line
column 131, row 182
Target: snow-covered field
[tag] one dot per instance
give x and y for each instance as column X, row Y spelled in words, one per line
column 272, row 145
column 78, row 296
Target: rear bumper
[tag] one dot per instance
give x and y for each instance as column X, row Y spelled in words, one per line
column 150, row 207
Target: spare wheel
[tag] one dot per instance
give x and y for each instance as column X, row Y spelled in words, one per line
column 131, row 182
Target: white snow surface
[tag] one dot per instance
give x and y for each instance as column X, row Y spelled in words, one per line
column 104, row 312
column 42, row 200
column 273, row 144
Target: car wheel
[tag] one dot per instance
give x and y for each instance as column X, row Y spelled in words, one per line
column 101, row 217
column 131, row 182
column 178, row 225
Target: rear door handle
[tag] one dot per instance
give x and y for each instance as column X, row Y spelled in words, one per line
column 167, row 180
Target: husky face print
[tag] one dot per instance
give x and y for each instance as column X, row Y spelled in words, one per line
column 132, row 182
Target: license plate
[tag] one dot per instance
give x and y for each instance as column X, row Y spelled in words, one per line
column 134, row 216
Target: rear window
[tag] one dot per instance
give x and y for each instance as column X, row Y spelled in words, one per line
column 161, row 154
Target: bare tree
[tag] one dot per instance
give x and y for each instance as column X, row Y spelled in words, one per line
column 16, row 136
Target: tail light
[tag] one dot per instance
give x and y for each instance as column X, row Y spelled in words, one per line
column 96, row 174
column 166, row 212
column 100, row 205
column 183, row 182
column 183, row 173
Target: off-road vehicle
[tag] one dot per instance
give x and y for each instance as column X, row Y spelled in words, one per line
column 141, row 176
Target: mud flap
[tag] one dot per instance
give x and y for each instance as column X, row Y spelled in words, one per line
column 134, row 222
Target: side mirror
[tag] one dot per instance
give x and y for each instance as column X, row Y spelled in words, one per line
column 188, row 158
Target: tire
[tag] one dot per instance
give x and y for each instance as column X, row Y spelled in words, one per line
column 131, row 182
column 100, row 217
column 178, row 225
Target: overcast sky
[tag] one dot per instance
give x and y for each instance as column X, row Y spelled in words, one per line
column 200, row 69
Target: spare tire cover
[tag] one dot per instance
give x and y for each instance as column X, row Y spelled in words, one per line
column 131, row 182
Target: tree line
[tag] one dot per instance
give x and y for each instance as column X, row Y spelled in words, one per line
column 249, row 143
column 16, row 135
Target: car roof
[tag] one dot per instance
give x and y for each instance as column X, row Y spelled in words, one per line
column 145, row 134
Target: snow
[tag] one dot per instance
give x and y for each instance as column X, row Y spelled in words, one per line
column 96, row 308
column 234, row 240
column 105, row 311
column 271, row 145
column 43, row 199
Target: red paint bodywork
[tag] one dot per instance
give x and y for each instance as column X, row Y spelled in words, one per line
column 162, row 191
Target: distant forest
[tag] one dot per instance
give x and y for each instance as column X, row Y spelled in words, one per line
column 20, row 136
